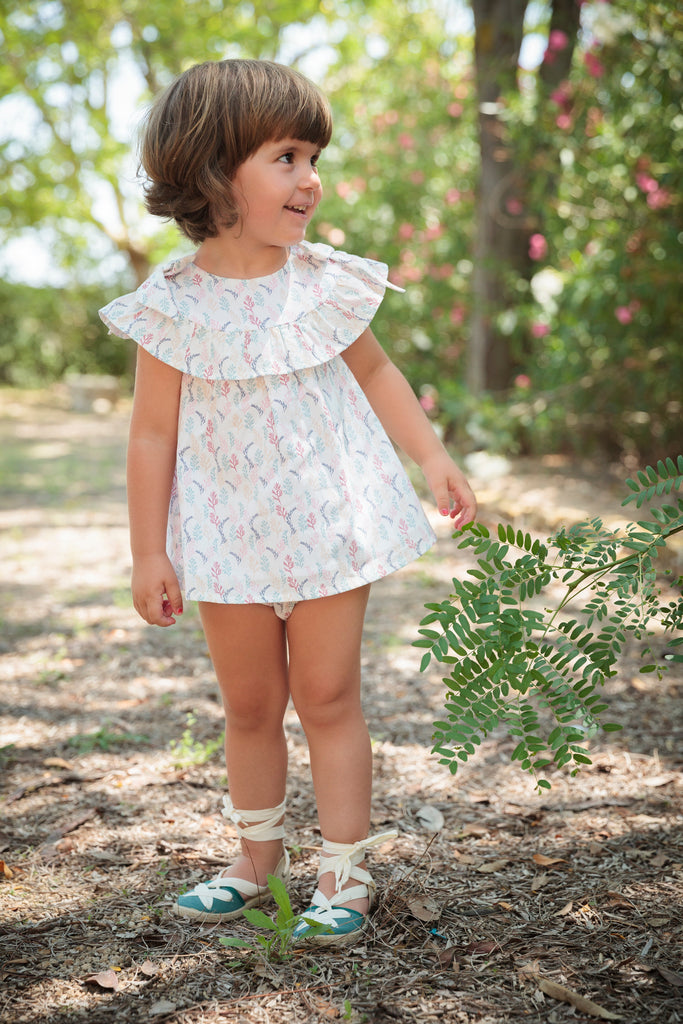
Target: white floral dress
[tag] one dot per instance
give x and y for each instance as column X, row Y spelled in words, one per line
column 286, row 486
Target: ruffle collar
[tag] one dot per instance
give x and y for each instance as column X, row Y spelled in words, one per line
column 222, row 329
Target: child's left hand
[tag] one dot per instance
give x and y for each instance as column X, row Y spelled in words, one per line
column 454, row 496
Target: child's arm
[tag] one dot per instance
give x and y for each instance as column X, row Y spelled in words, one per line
column 404, row 420
column 150, row 468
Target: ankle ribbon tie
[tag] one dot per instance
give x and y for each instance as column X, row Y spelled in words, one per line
column 266, row 823
column 345, row 856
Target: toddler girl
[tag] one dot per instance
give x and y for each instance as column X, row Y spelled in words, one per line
column 261, row 480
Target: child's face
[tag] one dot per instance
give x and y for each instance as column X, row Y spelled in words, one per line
column 278, row 189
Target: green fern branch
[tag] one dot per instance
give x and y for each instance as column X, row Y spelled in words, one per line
column 512, row 662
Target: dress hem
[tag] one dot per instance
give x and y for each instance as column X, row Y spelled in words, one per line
column 373, row 572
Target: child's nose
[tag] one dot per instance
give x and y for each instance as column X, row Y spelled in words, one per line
column 310, row 177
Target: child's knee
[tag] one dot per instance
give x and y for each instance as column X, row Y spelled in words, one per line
column 251, row 709
column 323, row 703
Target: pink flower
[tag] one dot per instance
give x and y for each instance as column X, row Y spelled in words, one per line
column 558, row 40
column 563, row 122
column 562, row 95
column 514, row 206
column 452, row 197
column 538, row 247
column 434, row 232
column 406, row 141
column 659, row 199
column 427, row 402
column 539, row 330
column 417, row 177
column 594, row 67
column 344, row 189
column 522, row 381
column 623, row 314
column 455, row 109
column 646, row 183
column 457, row 315
column 406, row 231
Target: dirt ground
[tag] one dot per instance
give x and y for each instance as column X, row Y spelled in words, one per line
column 518, row 908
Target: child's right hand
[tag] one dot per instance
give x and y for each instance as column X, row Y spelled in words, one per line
column 155, row 588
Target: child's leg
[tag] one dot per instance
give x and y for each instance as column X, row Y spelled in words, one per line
column 248, row 648
column 324, row 639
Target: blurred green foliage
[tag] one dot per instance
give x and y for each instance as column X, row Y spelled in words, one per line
column 605, row 365
column 45, row 332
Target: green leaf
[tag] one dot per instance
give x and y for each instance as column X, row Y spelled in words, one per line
column 233, row 941
column 259, row 919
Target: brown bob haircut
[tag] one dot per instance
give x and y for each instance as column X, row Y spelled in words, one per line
column 208, row 122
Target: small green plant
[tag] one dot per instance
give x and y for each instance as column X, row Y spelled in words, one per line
column 7, row 754
column 103, row 739
column 514, row 661
column 188, row 751
column 278, row 941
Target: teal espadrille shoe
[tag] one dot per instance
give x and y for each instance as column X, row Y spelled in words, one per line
column 342, row 926
column 221, row 898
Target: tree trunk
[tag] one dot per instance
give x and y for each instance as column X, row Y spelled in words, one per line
column 501, row 235
column 501, row 250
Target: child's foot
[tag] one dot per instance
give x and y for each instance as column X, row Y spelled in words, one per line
column 245, row 883
column 339, row 904
column 235, row 889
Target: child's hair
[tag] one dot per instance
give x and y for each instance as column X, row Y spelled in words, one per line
column 208, row 122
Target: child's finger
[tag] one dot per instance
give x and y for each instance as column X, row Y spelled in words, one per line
column 465, row 508
column 174, row 596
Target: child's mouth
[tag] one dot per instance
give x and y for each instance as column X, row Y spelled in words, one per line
column 301, row 210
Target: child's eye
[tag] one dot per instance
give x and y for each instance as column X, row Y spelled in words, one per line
column 287, row 158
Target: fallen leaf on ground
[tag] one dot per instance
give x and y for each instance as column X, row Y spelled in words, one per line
column 491, row 866
column 659, row 780
column 565, row 909
column 163, row 1006
column 540, row 880
column 105, row 979
column 5, row 870
column 617, row 900
column 579, row 1002
column 58, row 762
column 673, row 977
column 544, row 862
column 464, row 858
column 484, row 946
column 446, row 956
column 325, row 1009
column 424, row 908
column 474, row 830
column 149, row 968
column 530, row 970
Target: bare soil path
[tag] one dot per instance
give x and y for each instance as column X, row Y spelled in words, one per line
column 111, row 784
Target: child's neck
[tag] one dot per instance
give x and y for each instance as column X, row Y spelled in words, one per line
column 225, row 256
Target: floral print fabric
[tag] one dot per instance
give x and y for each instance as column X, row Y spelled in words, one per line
column 286, row 486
